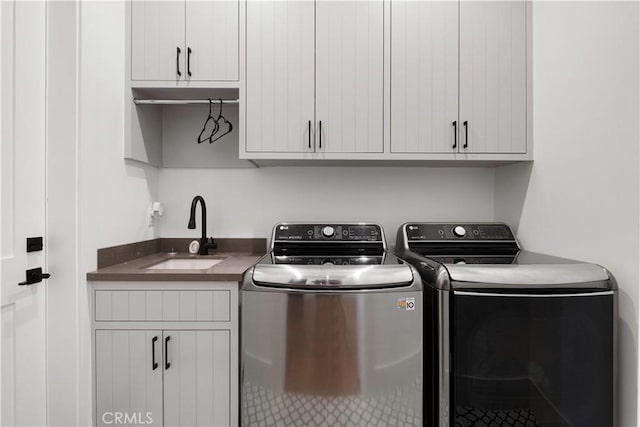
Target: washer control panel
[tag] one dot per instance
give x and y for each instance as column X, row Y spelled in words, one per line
column 328, row 232
column 312, row 260
column 457, row 231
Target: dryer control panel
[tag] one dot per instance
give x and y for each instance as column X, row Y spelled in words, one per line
column 458, row 231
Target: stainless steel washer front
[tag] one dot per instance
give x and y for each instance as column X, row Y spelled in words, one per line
column 326, row 346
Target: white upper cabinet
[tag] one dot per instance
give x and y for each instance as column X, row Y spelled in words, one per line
column 350, row 76
column 387, row 80
column 212, row 39
column 185, row 40
column 157, row 40
column 424, row 76
column 280, row 76
column 493, row 77
column 315, row 77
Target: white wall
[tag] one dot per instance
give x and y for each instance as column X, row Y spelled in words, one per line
column 248, row 202
column 114, row 195
column 62, row 215
column 580, row 198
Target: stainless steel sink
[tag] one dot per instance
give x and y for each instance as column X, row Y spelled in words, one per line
column 185, row 264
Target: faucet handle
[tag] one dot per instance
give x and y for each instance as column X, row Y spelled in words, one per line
column 211, row 243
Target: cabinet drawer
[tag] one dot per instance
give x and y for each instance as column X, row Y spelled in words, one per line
column 156, row 306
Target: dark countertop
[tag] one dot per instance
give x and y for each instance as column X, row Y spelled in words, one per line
column 230, row 269
column 237, row 256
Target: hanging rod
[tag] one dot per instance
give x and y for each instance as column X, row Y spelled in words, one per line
column 181, row 101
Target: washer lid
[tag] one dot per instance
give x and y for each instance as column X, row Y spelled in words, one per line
column 332, row 276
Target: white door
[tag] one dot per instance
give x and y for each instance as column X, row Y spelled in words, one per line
column 128, row 369
column 349, row 76
column 157, row 40
column 280, row 76
column 424, row 76
column 212, row 39
column 197, row 375
column 493, row 59
column 22, row 212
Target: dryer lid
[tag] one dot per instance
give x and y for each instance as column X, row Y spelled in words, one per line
column 528, row 276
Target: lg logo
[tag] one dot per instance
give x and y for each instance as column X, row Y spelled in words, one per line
column 120, row 418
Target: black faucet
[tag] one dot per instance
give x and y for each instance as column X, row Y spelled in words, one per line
column 205, row 243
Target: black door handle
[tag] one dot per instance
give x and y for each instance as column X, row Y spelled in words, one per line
column 455, row 134
column 178, row 60
column 320, row 134
column 189, row 61
column 466, row 134
column 35, row 275
column 154, row 364
column 309, row 134
column 167, row 365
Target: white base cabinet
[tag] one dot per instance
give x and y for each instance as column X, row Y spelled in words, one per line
column 197, row 378
column 126, row 384
column 165, row 353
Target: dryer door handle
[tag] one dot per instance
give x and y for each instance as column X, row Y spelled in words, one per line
column 496, row 294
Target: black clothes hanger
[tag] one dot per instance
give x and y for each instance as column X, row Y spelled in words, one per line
column 217, row 125
column 224, row 119
column 204, row 128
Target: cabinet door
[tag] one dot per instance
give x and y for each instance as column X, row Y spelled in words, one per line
column 157, row 32
column 197, row 376
column 128, row 388
column 424, row 76
column 493, row 76
column 212, row 36
column 280, row 76
column 349, row 76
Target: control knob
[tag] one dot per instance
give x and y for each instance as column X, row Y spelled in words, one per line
column 459, row 231
column 328, row 231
